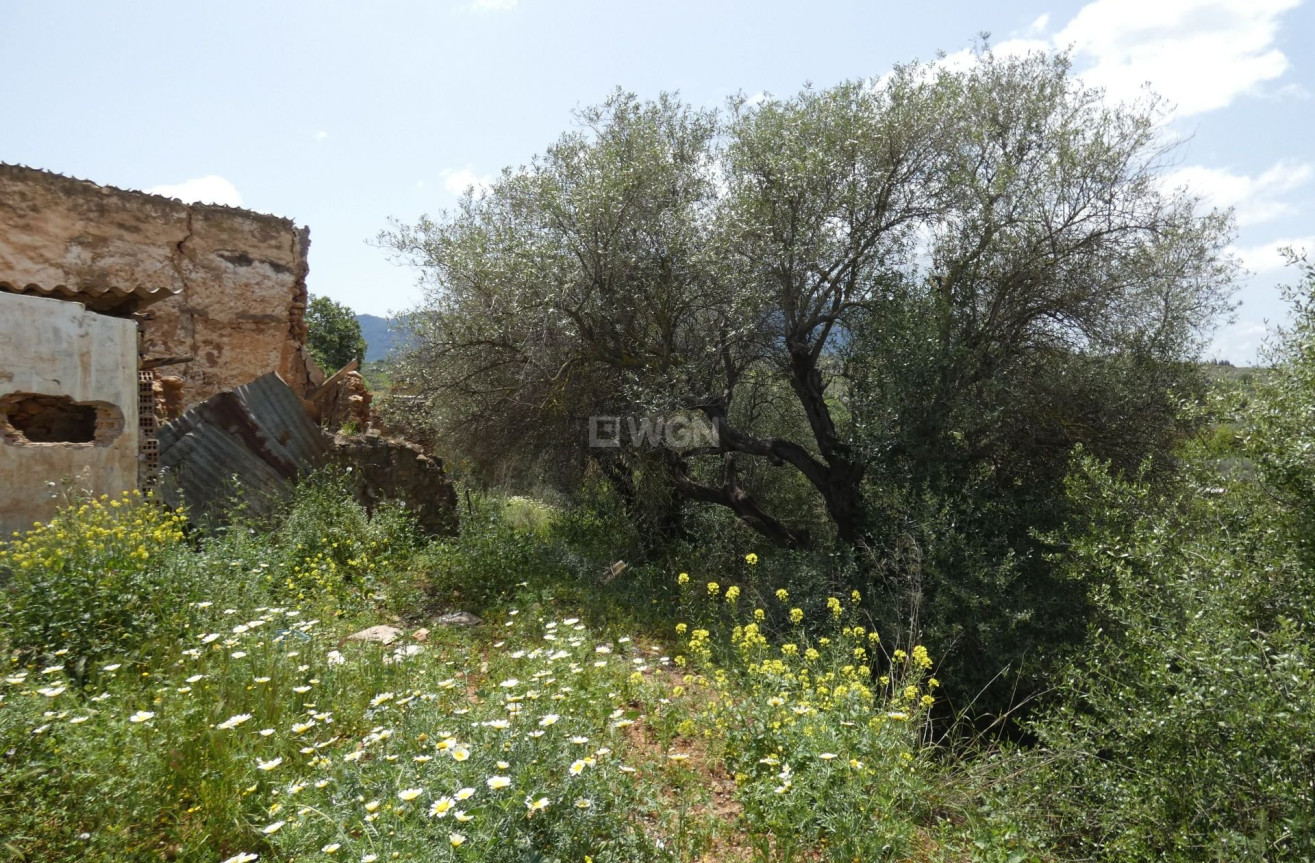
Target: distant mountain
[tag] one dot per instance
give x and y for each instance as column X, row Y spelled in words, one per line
column 382, row 336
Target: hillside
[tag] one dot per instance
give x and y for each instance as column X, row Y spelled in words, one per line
column 382, row 336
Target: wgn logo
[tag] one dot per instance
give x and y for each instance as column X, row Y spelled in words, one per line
column 678, row 431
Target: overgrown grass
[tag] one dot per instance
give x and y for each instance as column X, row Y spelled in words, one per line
column 241, row 725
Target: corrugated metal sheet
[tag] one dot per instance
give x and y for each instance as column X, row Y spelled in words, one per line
column 106, row 299
column 249, row 443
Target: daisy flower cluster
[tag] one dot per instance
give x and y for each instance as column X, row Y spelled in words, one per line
column 325, row 750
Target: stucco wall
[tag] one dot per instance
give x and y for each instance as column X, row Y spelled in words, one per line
column 240, row 276
column 53, row 347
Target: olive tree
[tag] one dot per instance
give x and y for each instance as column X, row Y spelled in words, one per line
column 821, row 277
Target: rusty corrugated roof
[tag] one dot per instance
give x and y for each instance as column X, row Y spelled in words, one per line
column 250, row 442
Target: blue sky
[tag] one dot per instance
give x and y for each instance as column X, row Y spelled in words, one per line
column 340, row 115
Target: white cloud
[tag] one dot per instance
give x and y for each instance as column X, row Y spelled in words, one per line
column 321, row 135
column 458, row 181
column 1199, row 54
column 493, row 5
column 1268, row 257
column 210, row 189
column 1256, row 199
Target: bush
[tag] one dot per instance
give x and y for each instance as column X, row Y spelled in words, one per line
column 500, row 549
column 825, row 730
column 1183, row 729
column 319, row 549
column 95, row 581
column 1278, row 433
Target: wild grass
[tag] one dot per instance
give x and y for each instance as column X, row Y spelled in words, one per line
column 246, row 727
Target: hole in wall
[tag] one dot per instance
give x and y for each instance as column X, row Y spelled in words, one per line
column 35, row 418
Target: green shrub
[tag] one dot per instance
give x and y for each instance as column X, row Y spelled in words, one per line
column 322, row 548
column 824, row 728
column 1184, row 729
column 94, row 582
column 1278, row 427
column 498, row 550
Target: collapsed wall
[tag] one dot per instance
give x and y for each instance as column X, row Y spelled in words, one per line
column 258, row 439
column 238, row 277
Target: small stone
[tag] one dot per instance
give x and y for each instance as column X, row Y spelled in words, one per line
column 378, row 634
column 458, row 618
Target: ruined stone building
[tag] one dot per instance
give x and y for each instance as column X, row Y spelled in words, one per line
column 119, row 309
column 98, row 285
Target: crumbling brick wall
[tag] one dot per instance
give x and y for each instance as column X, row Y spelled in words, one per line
column 239, row 277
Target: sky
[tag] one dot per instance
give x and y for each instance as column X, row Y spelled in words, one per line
column 344, row 115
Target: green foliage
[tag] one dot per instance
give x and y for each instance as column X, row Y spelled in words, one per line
column 495, row 554
column 196, row 701
column 817, row 744
column 1185, row 725
column 256, row 729
column 378, row 376
column 824, row 728
column 903, row 301
column 923, row 277
column 333, row 334
column 964, row 571
column 96, row 581
column 260, row 735
column 1280, row 435
column 321, row 549
column 1179, row 731
column 1184, row 728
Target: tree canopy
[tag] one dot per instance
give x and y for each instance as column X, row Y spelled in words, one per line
column 929, row 276
column 333, row 334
